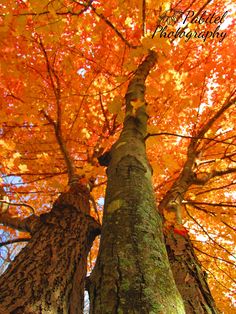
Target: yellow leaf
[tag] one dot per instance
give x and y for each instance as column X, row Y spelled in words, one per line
column 120, row 117
column 115, row 106
column 86, row 133
column 147, row 43
column 6, row 145
column 16, row 155
column 53, row 13
column 23, row 168
column 137, row 103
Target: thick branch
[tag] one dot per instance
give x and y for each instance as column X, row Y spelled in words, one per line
column 14, row 241
column 174, row 197
column 136, row 116
column 213, row 174
column 228, row 103
column 28, row 224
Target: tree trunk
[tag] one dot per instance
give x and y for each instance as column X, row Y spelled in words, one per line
column 132, row 273
column 48, row 274
column 189, row 277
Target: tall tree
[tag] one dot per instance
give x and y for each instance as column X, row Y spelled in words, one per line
column 70, row 70
column 132, row 264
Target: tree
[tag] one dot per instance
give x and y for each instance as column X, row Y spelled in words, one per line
column 85, row 86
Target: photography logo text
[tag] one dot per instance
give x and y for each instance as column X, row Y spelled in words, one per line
column 185, row 20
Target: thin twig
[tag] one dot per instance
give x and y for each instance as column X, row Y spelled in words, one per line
column 55, row 83
column 104, row 113
column 189, row 137
column 207, row 234
column 208, row 204
column 102, row 17
column 95, row 208
column 19, row 204
column 225, row 106
column 144, row 17
column 212, row 256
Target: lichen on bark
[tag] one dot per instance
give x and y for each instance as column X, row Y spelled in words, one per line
column 132, row 273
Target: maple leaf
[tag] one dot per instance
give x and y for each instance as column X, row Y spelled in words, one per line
column 23, row 168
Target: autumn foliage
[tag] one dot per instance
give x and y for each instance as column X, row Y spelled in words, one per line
column 65, row 68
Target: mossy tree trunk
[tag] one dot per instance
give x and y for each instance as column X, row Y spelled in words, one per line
column 132, row 273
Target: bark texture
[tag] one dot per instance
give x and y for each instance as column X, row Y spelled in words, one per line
column 132, row 273
column 189, row 277
column 48, row 274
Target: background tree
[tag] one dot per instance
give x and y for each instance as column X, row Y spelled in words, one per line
column 66, row 66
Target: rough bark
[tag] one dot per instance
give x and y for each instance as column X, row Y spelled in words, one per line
column 48, row 275
column 189, row 276
column 26, row 225
column 132, row 273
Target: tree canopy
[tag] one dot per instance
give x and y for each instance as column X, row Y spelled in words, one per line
column 65, row 68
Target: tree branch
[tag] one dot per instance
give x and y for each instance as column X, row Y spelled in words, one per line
column 213, row 174
column 86, row 7
column 187, row 176
column 190, row 202
column 104, row 113
column 101, row 16
column 27, row 225
column 14, row 241
column 19, row 204
column 228, row 103
column 188, row 137
column 57, row 125
column 212, row 256
column 144, row 17
column 208, row 212
column 49, row 70
column 95, row 208
column 207, row 234
column 62, row 145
